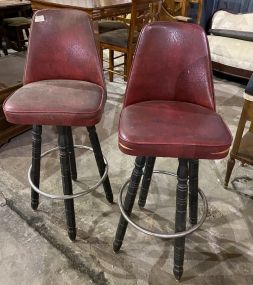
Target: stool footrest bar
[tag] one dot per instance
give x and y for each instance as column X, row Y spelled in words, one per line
column 76, row 195
column 164, row 235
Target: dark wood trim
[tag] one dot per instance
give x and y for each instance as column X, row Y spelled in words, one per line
column 229, row 70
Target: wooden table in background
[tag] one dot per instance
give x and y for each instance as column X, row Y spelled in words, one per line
column 98, row 9
column 13, row 4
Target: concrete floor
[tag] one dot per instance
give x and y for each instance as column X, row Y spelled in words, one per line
column 36, row 246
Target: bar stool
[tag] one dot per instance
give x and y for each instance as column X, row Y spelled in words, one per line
column 242, row 147
column 169, row 111
column 14, row 27
column 63, row 86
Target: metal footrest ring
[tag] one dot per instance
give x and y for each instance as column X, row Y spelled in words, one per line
column 163, row 235
column 65, row 197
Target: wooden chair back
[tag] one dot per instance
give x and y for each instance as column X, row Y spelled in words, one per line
column 172, row 9
column 142, row 13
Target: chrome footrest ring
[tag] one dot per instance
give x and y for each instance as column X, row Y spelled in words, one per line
column 163, row 235
column 76, row 195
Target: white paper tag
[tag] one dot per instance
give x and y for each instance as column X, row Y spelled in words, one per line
column 39, row 18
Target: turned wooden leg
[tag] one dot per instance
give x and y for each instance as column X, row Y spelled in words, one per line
column 101, row 51
column 72, row 157
column 237, row 142
column 230, row 166
column 20, row 36
column 129, row 202
column 149, row 167
column 35, row 172
column 125, row 67
column 66, row 181
column 27, row 33
column 111, row 64
column 193, row 190
column 100, row 162
column 180, row 221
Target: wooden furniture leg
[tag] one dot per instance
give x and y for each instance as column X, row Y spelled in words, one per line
column 66, row 181
column 180, row 220
column 236, row 145
column 100, row 162
column 193, row 190
column 35, row 172
column 129, row 201
column 150, row 163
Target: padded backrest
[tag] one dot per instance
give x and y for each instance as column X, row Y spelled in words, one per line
column 171, row 62
column 62, row 46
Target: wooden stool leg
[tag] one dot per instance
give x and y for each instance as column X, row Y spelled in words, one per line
column 230, row 166
column 193, row 191
column 101, row 55
column 35, row 172
column 129, row 202
column 236, row 144
column 180, row 221
column 100, row 162
column 71, row 154
column 27, row 33
column 4, row 41
column 125, row 67
column 111, row 64
column 19, row 33
column 129, row 62
column 149, row 167
column 66, row 181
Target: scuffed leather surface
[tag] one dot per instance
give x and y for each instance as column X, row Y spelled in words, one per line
column 63, row 47
column 56, row 102
column 173, row 129
column 169, row 107
column 172, row 62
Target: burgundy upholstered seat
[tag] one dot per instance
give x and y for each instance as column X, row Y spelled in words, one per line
column 64, row 87
column 169, row 108
column 53, row 106
column 60, row 69
column 172, row 129
column 169, row 111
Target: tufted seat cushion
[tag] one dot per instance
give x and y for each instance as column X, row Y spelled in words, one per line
column 105, row 26
column 56, row 102
column 173, row 129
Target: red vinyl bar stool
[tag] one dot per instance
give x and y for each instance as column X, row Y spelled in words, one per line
column 169, row 111
column 63, row 86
